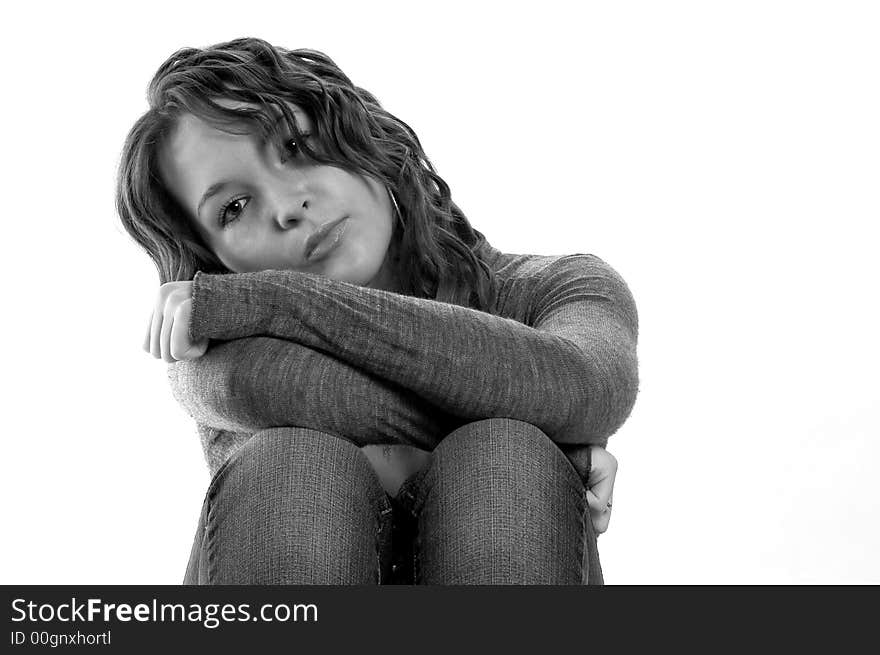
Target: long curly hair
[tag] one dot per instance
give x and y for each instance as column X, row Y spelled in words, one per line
column 433, row 238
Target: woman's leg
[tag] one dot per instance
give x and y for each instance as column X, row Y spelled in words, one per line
column 501, row 504
column 293, row 506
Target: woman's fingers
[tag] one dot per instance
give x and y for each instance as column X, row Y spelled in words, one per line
column 599, row 495
column 177, row 345
column 600, row 521
column 182, row 346
column 168, row 336
column 156, row 330
column 600, row 512
column 149, row 335
column 165, row 338
column 600, row 487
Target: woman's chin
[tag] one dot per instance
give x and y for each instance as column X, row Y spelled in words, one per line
column 345, row 272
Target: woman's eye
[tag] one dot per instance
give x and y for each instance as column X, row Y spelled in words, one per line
column 291, row 147
column 232, row 210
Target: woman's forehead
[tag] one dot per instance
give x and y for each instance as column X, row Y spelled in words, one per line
column 302, row 119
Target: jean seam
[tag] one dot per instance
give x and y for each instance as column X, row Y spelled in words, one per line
column 406, row 502
column 207, row 547
column 416, row 547
column 209, row 540
column 585, row 516
column 210, row 531
column 381, row 525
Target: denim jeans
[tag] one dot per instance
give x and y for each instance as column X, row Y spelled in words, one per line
column 499, row 503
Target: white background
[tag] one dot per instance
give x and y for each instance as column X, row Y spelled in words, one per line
column 724, row 157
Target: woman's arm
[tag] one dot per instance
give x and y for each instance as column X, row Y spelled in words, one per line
column 573, row 373
column 249, row 384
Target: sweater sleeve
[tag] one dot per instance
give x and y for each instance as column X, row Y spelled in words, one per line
column 572, row 372
column 241, row 386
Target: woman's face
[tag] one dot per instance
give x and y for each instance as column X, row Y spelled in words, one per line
column 256, row 206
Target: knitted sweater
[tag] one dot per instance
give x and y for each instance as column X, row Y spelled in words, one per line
column 557, row 350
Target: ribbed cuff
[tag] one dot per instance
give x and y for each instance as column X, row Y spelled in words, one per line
column 225, row 306
column 194, row 328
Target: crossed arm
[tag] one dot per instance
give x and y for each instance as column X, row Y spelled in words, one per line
column 378, row 367
column 252, row 383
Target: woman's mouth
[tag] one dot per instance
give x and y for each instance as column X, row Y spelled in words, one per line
column 325, row 240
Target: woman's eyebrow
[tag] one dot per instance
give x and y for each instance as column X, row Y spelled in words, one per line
column 211, row 191
column 280, row 124
column 217, row 187
column 301, row 122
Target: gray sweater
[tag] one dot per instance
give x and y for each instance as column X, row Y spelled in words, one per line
column 558, row 350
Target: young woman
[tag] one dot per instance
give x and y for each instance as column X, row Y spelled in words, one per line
column 381, row 395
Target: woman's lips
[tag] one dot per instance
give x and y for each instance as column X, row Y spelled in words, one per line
column 322, row 242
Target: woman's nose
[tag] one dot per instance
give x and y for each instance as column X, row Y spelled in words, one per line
column 291, row 215
column 289, row 202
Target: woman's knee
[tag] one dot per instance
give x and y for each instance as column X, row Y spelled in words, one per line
column 504, row 445
column 303, row 455
column 501, row 503
column 295, row 505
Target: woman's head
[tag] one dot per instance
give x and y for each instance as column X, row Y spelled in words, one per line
column 247, row 149
column 258, row 206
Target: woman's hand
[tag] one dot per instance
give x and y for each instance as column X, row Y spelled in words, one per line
column 168, row 333
column 602, row 467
